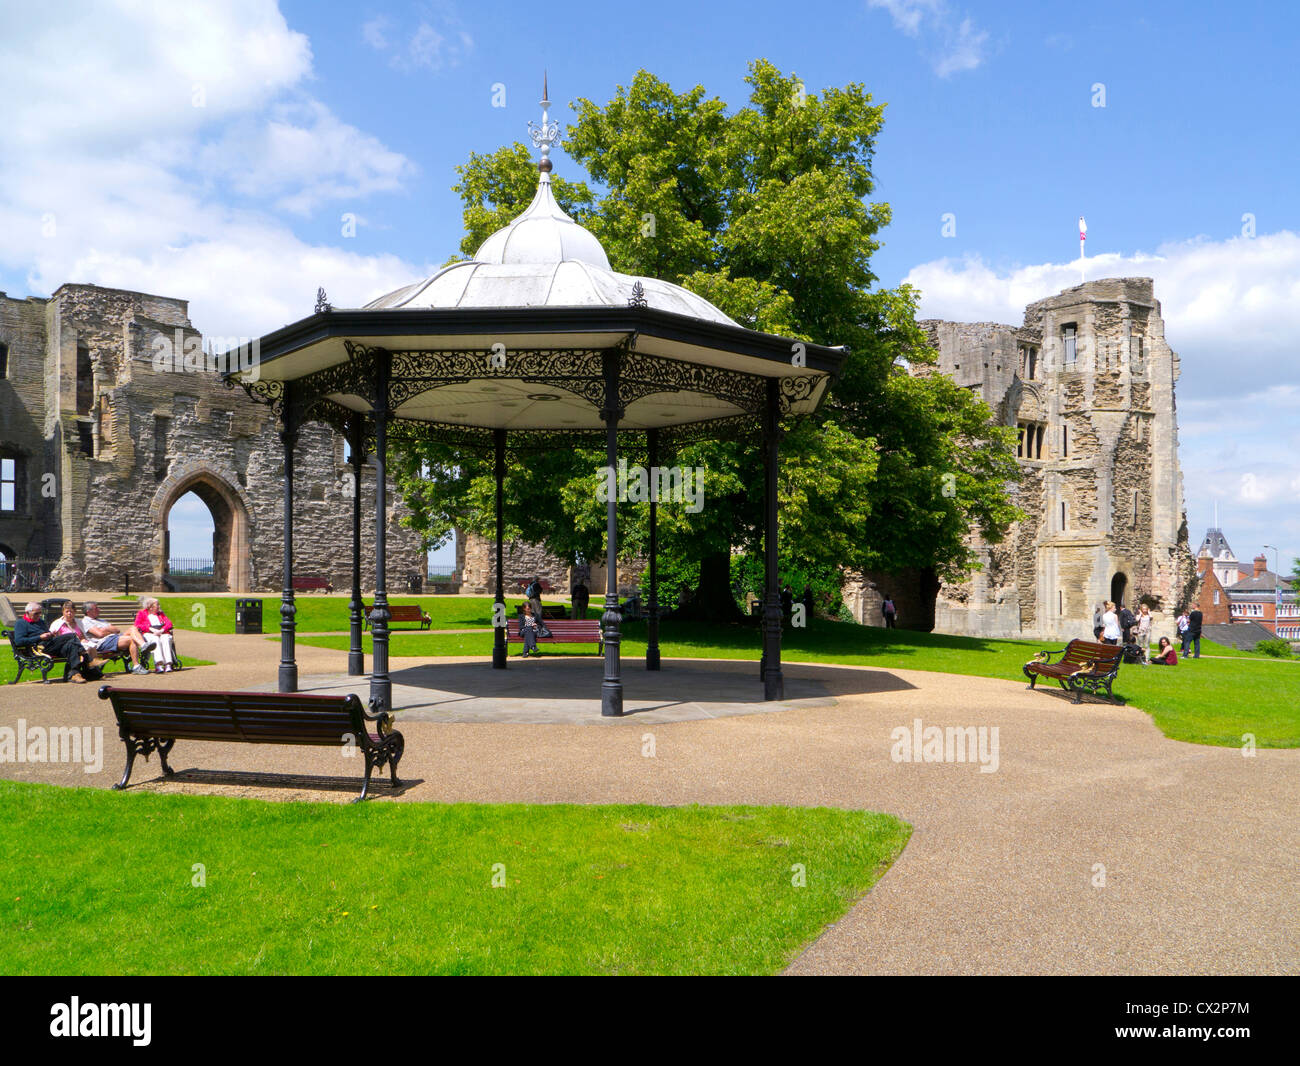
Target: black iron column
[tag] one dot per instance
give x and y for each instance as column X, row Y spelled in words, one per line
column 381, row 688
column 611, row 688
column 288, row 680
column 357, row 443
column 499, row 606
column 652, row 625
column 773, row 681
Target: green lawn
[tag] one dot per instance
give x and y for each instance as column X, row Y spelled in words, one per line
column 1206, row 701
column 324, row 614
column 398, row 888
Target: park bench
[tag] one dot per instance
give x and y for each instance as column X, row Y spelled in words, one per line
column 312, row 584
column 150, row 720
column 563, row 631
column 29, row 659
column 398, row 612
column 1083, row 666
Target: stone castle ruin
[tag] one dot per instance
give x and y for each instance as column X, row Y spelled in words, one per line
column 1088, row 381
column 99, row 437
column 105, row 423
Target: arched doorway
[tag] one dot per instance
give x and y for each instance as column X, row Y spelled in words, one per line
column 187, row 496
column 1118, row 589
column 191, row 546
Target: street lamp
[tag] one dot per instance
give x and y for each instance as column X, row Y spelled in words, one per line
column 1277, row 566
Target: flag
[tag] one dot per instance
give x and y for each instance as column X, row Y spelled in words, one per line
column 1083, row 229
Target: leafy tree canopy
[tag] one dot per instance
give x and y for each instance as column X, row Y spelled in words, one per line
column 765, row 212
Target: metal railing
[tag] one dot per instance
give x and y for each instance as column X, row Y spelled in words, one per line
column 187, row 567
column 27, row 575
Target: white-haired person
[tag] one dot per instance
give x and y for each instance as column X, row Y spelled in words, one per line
column 156, row 629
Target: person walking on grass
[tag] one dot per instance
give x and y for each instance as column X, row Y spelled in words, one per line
column 889, row 611
column 1110, row 630
column 1144, row 631
column 1184, row 631
column 1194, row 630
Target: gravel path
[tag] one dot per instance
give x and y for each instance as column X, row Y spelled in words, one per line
column 1097, row 845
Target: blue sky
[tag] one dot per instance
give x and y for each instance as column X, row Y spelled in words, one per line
column 307, row 113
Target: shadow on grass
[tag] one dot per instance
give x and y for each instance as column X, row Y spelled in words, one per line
column 379, row 782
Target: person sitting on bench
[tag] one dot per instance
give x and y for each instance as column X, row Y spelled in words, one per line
column 528, row 632
column 156, row 628
column 61, row 641
column 99, row 636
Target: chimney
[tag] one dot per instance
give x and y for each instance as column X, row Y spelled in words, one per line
column 1203, row 562
column 1261, row 564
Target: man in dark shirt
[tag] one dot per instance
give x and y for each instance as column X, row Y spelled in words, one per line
column 30, row 630
column 1194, row 630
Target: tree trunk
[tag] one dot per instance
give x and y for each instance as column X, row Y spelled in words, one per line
column 713, row 599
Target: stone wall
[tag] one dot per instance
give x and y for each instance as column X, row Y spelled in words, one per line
column 156, row 431
column 1111, row 436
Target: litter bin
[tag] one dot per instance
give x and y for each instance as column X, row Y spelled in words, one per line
column 248, row 616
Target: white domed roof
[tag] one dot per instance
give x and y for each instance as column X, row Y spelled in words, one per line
column 543, row 234
column 544, row 259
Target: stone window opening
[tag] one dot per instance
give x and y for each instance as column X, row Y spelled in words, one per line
column 1062, row 516
column 1029, row 361
column 10, row 483
column 4, row 361
column 85, row 381
column 1065, row 440
column 1069, row 338
column 1135, row 352
column 1135, row 508
column 1030, row 443
column 159, row 446
column 86, row 437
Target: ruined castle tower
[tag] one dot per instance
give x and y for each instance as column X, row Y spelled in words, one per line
column 1089, row 382
column 103, row 430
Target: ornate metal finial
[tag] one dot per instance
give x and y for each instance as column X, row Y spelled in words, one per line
column 547, row 133
column 637, row 298
column 321, row 303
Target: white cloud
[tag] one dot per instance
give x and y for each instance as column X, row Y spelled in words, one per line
column 437, row 42
column 112, row 176
column 1232, row 312
column 953, row 43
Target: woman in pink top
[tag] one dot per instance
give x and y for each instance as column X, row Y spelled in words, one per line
column 156, row 628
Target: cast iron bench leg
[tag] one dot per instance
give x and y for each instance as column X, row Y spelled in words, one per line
column 130, row 762
column 365, row 785
column 163, row 748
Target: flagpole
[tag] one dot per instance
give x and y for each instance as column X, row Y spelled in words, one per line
column 1083, row 233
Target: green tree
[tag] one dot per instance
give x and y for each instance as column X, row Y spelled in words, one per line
column 765, row 212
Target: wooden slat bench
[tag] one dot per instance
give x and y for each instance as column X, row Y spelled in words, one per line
column 311, row 584
column 563, row 631
column 30, row 658
column 150, row 720
column 1084, row 666
column 402, row 612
